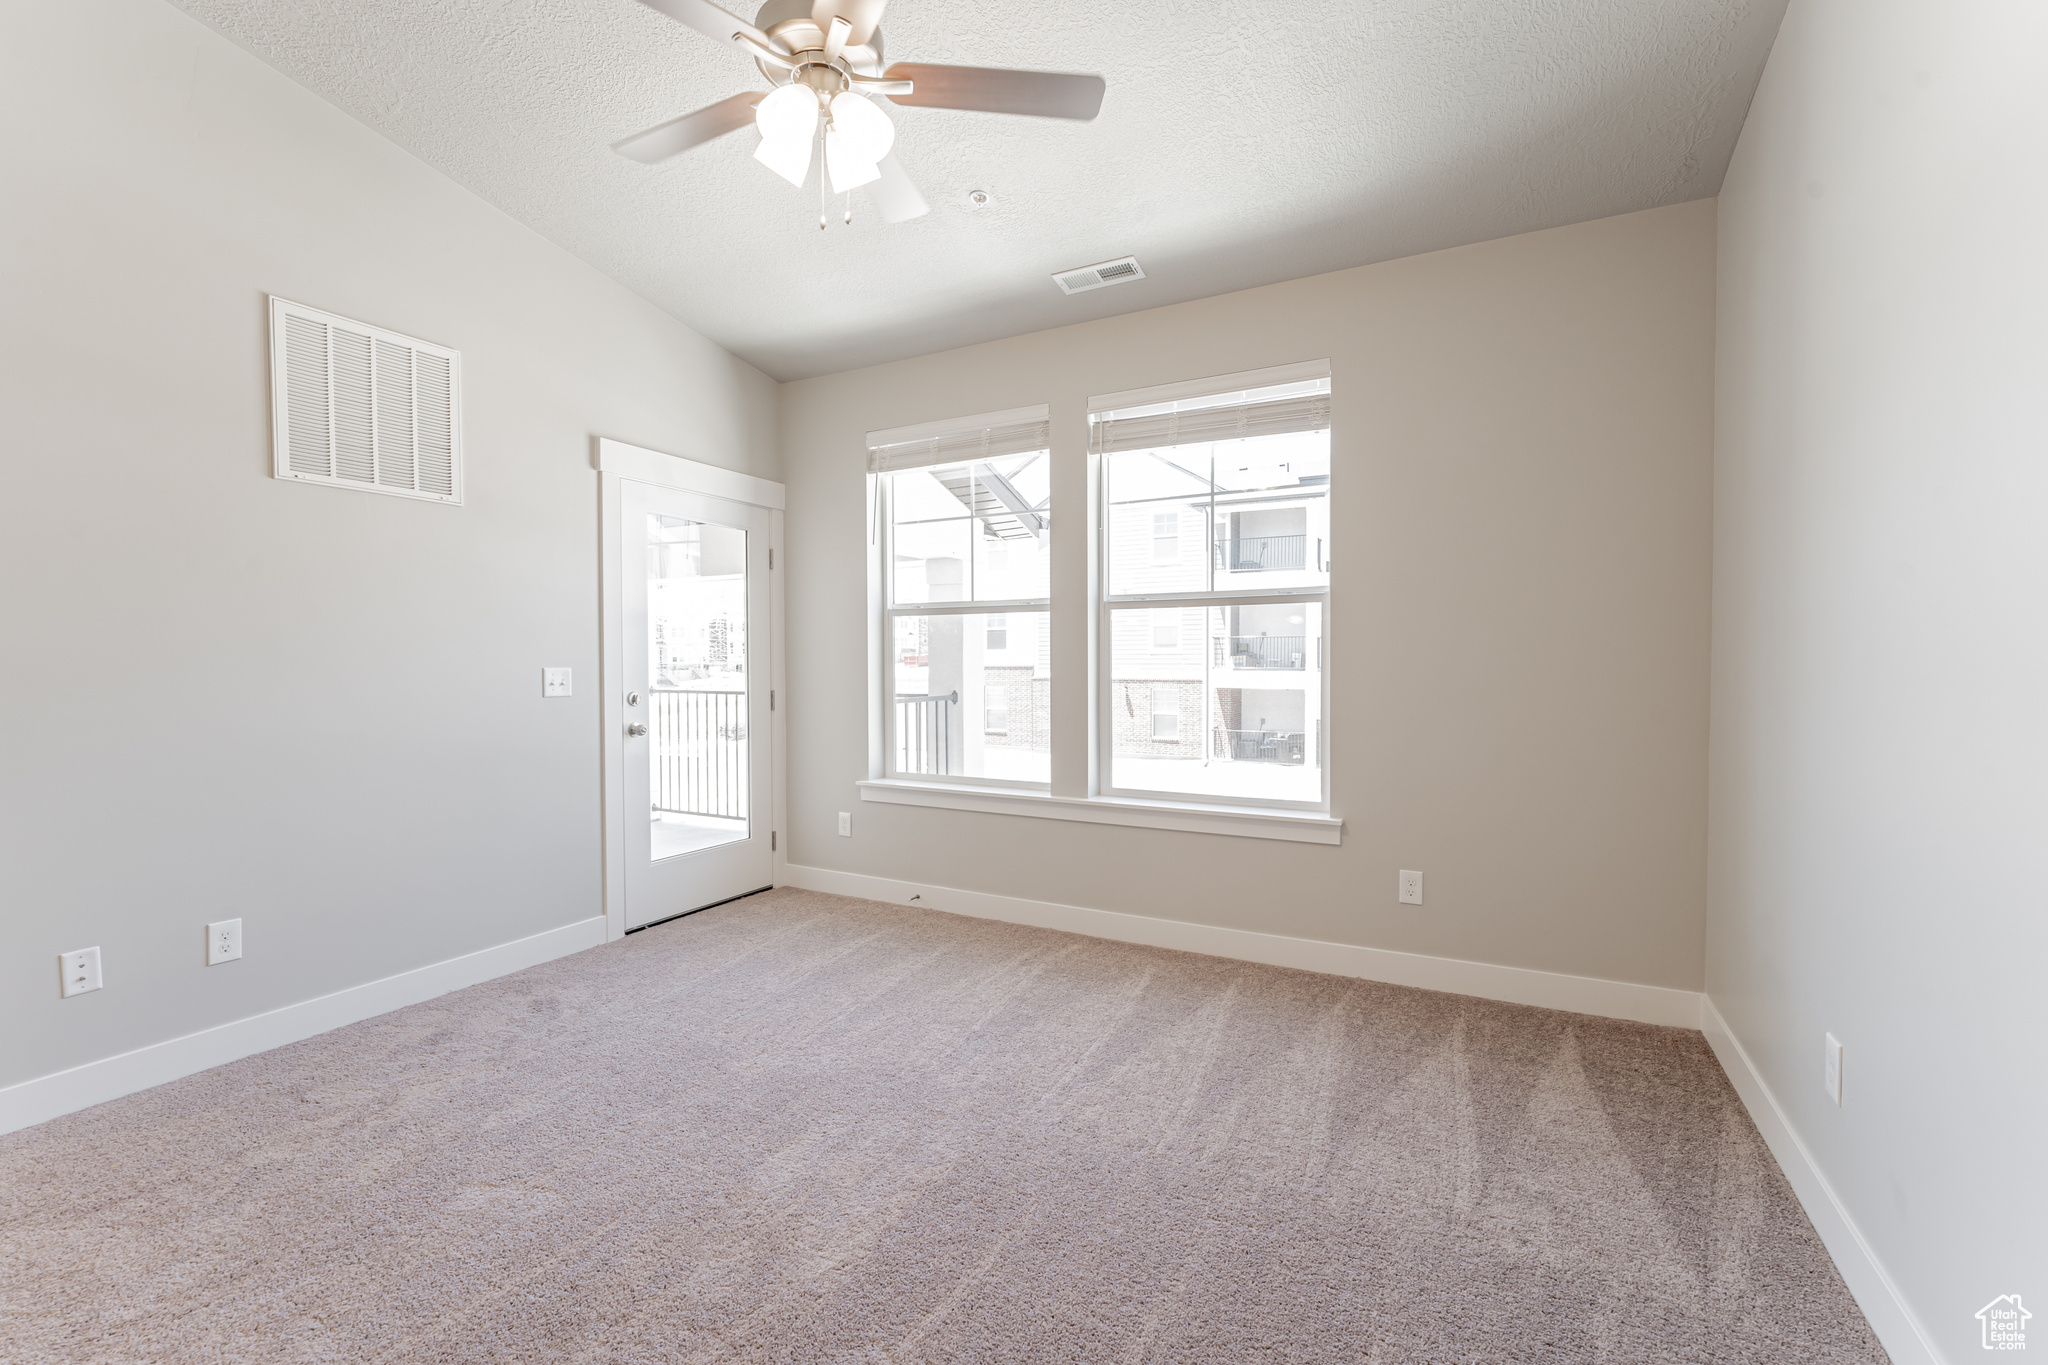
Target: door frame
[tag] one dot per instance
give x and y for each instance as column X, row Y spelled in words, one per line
column 616, row 463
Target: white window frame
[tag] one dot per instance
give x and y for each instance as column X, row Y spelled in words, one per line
column 954, row 436
column 1078, row 801
column 1108, row 603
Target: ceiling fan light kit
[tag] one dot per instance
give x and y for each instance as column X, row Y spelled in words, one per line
column 824, row 58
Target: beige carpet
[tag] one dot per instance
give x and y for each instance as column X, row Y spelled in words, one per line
column 805, row 1128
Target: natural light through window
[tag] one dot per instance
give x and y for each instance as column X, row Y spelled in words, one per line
column 1217, row 556
column 966, row 555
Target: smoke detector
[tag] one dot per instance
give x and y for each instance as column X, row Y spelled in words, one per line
column 1099, row 276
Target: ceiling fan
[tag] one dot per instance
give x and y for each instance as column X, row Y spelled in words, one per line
column 824, row 59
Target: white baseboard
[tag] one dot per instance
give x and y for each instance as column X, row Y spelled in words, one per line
column 1898, row 1328
column 1516, row 985
column 62, row 1092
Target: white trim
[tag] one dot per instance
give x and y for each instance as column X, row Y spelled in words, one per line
column 1516, row 985
column 80, row 1087
column 611, row 707
column 778, row 682
column 692, row 476
column 924, row 431
column 1897, row 1327
column 1250, row 822
column 1202, row 388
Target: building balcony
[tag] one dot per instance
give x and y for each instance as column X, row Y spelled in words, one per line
column 1264, row 746
column 1263, row 651
column 1263, row 554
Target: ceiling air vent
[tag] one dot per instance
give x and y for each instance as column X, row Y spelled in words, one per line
column 356, row 406
column 1097, row 276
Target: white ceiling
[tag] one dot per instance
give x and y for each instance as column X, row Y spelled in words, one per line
column 1240, row 143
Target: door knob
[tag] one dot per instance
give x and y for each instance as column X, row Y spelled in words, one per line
column 636, row 729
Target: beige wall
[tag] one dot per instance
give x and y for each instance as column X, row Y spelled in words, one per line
column 226, row 695
column 1880, row 668
column 1522, row 449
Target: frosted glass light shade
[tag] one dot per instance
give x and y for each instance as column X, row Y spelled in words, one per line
column 789, row 158
column 788, row 114
column 869, row 134
column 846, row 167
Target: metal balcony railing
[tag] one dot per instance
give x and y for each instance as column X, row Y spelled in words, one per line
column 924, row 728
column 1264, row 746
column 697, row 752
column 1263, row 651
column 1262, row 554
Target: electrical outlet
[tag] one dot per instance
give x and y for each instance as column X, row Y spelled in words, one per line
column 1831, row 1069
column 1411, row 888
column 223, row 941
column 81, row 971
column 554, row 682
column 846, row 824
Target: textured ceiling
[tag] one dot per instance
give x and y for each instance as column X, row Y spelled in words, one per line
column 1241, row 143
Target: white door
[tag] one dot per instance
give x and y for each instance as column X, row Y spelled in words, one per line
column 695, row 595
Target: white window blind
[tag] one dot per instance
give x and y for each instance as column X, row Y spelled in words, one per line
column 1273, row 411
column 1018, row 431
column 357, row 406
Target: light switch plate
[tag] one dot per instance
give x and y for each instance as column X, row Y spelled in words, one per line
column 1411, row 888
column 81, row 971
column 554, row 682
column 223, row 941
column 1831, row 1070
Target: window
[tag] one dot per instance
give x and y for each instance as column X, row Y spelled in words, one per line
column 1166, row 712
column 1236, row 714
column 1165, row 537
column 963, row 525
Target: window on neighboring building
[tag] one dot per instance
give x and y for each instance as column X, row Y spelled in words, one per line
column 1165, row 537
column 1246, row 474
column 1165, row 711
column 963, row 529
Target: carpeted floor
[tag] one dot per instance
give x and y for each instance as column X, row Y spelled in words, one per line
column 805, row 1128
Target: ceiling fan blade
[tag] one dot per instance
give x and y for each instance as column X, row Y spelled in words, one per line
column 1048, row 94
column 664, row 140
column 864, row 15
column 896, row 194
column 711, row 21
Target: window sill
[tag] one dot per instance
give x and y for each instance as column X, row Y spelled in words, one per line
column 1247, row 822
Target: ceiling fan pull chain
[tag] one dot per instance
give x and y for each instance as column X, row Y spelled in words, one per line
column 824, row 195
column 849, row 208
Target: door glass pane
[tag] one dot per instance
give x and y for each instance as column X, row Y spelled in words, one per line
column 696, row 684
column 1218, row 700
column 973, row 696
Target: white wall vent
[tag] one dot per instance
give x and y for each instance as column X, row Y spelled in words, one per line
column 1120, row 271
column 356, row 406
